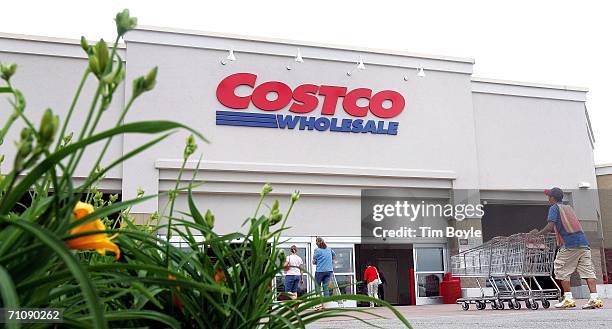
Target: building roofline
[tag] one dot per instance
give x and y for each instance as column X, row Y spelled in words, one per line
column 603, row 169
column 529, row 84
column 528, row 89
column 46, row 46
column 396, row 52
column 40, row 38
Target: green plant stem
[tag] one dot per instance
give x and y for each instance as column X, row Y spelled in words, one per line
column 23, row 117
column 108, row 141
column 174, row 194
column 72, row 164
column 77, row 155
column 71, row 109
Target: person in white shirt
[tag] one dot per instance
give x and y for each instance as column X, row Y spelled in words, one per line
column 293, row 273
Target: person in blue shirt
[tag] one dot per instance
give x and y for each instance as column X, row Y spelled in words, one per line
column 323, row 258
column 574, row 253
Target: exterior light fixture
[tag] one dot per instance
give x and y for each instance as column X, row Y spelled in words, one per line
column 584, row 185
column 420, row 72
column 360, row 66
column 230, row 57
column 298, row 59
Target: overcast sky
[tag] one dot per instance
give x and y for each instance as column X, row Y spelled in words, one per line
column 555, row 42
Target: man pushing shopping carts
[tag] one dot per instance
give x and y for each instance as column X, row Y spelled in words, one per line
column 574, row 253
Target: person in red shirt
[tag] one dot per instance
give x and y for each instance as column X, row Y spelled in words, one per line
column 372, row 279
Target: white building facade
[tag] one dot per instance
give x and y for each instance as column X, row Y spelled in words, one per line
column 444, row 133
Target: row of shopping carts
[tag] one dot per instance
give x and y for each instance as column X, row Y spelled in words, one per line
column 513, row 268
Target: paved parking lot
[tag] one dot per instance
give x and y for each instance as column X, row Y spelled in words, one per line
column 451, row 316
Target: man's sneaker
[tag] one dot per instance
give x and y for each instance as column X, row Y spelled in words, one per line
column 593, row 303
column 566, row 303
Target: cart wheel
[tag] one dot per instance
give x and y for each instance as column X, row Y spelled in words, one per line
column 545, row 303
column 534, row 305
column 500, row 304
column 480, row 305
column 528, row 303
column 465, row 306
column 517, row 305
column 494, row 305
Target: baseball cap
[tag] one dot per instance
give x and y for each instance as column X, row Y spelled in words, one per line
column 555, row 192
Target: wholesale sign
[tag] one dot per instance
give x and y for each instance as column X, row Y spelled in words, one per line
column 295, row 108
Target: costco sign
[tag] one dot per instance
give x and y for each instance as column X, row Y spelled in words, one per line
column 301, row 103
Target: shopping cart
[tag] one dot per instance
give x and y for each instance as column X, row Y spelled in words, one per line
column 511, row 265
column 475, row 263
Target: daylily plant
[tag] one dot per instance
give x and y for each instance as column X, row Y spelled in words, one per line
column 99, row 242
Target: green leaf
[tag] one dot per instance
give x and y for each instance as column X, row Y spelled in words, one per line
column 195, row 213
column 9, row 294
column 143, row 127
column 108, row 210
column 86, row 285
column 122, row 159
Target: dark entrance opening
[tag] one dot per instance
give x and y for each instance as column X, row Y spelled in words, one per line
column 508, row 219
column 394, row 262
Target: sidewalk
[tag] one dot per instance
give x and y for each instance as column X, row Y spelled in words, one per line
column 452, row 316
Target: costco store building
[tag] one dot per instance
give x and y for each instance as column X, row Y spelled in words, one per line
column 332, row 121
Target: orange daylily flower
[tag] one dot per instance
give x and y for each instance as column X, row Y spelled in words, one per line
column 219, row 275
column 175, row 299
column 99, row 242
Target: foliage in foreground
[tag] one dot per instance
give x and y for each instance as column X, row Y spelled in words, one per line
column 74, row 249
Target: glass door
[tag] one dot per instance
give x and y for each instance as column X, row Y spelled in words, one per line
column 429, row 268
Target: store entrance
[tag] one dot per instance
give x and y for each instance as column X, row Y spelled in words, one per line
column 508, row 219
column 394, row 262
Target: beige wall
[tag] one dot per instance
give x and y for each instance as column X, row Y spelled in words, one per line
column 604, row 182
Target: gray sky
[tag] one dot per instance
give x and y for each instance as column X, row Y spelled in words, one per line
column 556, row 42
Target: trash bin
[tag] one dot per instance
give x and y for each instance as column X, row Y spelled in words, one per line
column 450, row 289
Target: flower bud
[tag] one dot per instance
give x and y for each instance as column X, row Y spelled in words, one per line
column 116, row 76
column 275, row 215
column 144, row 83
column 1, row 158
column 282, row 257
column 150, row 78
column 7, row 70
column 190, row 147
column 275, row 218
column 48, row 127
column 140, row 192
column 85, row 45
column 24, row 149
column 99, row 58
column 97, row 197
column 267, row 188
column 210, row 219
column 295, row 196
column 124, row 22
column 20, row 102
column 113, row 197
column 25, row 134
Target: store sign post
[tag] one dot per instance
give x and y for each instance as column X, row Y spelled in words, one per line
column 304, row 100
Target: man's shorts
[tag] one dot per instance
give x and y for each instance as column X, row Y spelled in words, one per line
column 575, row 259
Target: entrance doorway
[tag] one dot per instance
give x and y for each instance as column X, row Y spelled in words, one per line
column 394, row 262
column 508, row 219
